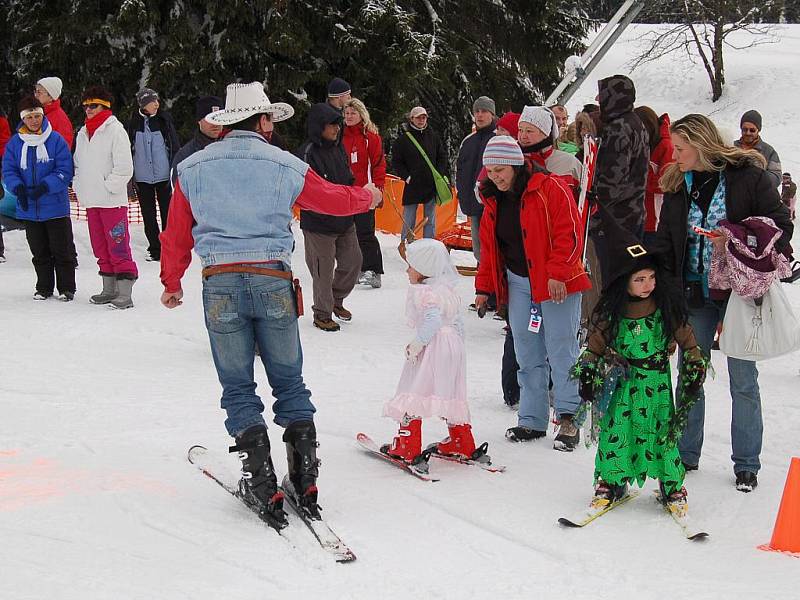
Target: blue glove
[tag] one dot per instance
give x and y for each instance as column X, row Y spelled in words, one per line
column 39, row 191
column 22, row 196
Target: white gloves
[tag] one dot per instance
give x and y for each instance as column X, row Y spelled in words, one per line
column 413, row 350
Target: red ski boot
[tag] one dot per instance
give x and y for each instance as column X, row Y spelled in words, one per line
column 460, row 443
column 407, row 445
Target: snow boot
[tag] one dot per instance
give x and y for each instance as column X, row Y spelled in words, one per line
column 341, row 313
column 372, row 279
column 407, row 445
column 675, row 502
column 568, row 435
column 259, row 485
column 326, row 324
column 109, row 290
column 303, row 465
column 608, row 493
column 746, row 481
column 123, row 299
column 523, row 434
column 460, row 443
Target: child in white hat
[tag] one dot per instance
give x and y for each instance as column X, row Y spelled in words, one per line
column 433, row 382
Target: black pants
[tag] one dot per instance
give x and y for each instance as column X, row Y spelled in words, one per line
column 508, row 377
column 51, row 245
column 371, row 260
column 148, row 192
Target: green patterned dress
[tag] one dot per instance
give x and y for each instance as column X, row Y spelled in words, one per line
column 640, row 411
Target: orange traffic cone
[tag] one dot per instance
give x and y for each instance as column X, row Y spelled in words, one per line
column 786, row 535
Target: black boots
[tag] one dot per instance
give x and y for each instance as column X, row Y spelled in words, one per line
column 301, row 459
column 259, row 485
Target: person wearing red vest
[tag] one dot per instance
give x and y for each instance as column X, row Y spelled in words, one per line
column 48, row 93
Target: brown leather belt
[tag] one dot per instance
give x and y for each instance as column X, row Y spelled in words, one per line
column 217, row 269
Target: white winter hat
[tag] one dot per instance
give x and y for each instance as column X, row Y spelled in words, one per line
column 541, row 117
column 430, row 258
column 53, row 85
column 243, row 100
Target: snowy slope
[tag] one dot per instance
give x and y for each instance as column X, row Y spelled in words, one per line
column 97, row 501
column 764, row 77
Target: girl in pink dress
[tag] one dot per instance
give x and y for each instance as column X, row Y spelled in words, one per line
column 434, row 381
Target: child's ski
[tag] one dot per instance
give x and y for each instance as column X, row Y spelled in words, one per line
column 691, row 531
column 593, row 513
column 419, row 470
column 327, row 539
column 479, row 459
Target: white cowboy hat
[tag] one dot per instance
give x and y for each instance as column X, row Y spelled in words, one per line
column 243, row 100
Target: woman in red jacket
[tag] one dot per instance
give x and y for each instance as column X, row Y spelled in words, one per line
column 660, row 156
column 364, row 149
column 531, row 258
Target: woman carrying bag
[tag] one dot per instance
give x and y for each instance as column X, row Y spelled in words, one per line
column 708, row 183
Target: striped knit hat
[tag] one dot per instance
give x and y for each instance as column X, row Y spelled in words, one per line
column 503, row 150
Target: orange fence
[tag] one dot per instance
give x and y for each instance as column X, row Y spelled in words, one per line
column 134, row 211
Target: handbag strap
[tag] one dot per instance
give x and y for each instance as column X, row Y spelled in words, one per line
column 424, row 155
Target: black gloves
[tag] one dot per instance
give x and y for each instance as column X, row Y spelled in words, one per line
column 39, row 191
column 22, row 196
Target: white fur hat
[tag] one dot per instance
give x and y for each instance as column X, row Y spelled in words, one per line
column 53, row 85
column 542, row 118
column 430, row 258
column 243, row 100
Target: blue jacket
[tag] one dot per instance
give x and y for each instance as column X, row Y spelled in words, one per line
column 154, row 142
column 241, row 191
column 56, row 173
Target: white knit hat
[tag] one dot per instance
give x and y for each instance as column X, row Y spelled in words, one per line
column 430, row 257
column 542, row 118
column 53, row 85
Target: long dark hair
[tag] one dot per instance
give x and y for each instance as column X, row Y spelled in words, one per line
column 667, row 294
column 522, row 174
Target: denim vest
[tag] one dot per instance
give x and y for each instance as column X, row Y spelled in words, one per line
column 241, row 191
column 150, row 157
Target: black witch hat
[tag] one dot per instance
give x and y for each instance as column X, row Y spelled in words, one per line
column 626, row 252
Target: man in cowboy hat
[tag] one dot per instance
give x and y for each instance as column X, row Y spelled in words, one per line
column 233, row 203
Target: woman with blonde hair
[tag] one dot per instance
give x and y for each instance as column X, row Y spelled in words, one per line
column 364, row 149
column 711, row 181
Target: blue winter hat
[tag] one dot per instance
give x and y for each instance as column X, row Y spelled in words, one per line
column 338, row 87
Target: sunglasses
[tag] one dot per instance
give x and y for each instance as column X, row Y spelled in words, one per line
column 91, row 106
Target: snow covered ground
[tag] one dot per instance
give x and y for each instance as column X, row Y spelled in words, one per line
column 98, row 408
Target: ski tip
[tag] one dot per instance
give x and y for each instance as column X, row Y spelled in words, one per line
column 345, row 558
column 196, row 449
column 567, row 523
column 701, row 535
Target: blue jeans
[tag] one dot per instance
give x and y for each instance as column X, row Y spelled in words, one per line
column 410, row 218
column 746, row 424
column 242, row 310
column 556, row 344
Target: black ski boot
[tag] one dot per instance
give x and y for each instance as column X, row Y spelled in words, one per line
column 303, row 465
column 259, row 485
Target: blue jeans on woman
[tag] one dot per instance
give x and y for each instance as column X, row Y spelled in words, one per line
column 555, row 344
column 242, row 310
column 410, row 218
column 746, row 424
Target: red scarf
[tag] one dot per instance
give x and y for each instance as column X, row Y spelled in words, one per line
column 97, row 120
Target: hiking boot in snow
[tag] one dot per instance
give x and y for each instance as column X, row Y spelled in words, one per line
column 568, row 435
column 688, row 467
column 523, row 434
column 746, row 481
column 109, row 290
column 342, row 313
column 259, row 485
column 67, row 296
column 459, row 443
column 362, row 278
column 303, row 465
column 326, row 324
column 41, row 296
column 2, row 258
column 606, row 493
column 407, row 444
column 124, row 290
column 675, row 502
column 372, row 279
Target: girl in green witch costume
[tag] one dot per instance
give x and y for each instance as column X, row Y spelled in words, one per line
column 634, row 328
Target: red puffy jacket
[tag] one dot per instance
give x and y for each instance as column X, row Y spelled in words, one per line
column 551, row 233
column 60, row 121
column 5, row 135
column 660, row 157
column 365, row 155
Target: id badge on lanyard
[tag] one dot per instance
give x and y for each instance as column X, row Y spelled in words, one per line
column 535, row 323
column 354, row 156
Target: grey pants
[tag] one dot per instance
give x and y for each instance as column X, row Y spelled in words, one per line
column 334, row 261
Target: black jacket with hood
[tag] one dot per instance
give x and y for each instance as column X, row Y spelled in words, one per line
column 469, row 165
column 624, row 156
column 329, row 161
column 407, row 162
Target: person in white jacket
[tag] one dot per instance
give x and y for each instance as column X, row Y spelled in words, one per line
column 103, row 167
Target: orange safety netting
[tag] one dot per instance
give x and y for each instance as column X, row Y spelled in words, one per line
column 134, row 211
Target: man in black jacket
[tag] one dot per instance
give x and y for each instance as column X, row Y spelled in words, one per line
column 332, row 252
column 410, row 166
column 469, row 164
column 622, row 162
column 206, row 133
